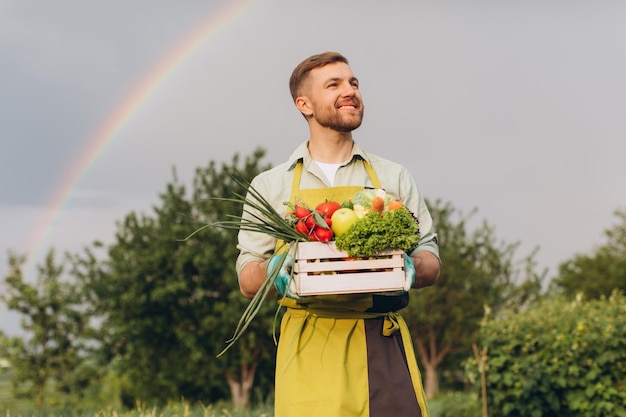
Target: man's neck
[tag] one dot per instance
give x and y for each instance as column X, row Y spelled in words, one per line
column 330, row 146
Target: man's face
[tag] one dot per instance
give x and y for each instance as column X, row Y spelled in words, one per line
column 334, row 96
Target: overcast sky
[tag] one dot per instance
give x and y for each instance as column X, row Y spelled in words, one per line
column 515, row 108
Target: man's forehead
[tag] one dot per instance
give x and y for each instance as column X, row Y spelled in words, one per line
column 336, row 70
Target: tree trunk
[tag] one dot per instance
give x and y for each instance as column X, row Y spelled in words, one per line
column 240, row 389
column 431, row 358
column 431, row 380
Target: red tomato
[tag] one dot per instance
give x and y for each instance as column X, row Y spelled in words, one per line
column 328, row 208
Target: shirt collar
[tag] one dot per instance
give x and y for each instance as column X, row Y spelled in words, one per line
column 302, row 154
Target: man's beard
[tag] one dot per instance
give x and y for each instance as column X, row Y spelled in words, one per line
column 336, row 121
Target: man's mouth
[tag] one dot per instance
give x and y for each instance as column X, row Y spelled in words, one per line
column 347, row 106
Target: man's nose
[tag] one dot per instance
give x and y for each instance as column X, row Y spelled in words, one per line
column 347, row 90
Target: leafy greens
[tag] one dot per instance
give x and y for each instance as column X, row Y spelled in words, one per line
column 395, row 229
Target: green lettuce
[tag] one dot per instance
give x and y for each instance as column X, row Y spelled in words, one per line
column 396, row 229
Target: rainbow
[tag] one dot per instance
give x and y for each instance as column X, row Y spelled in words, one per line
column 123, row 113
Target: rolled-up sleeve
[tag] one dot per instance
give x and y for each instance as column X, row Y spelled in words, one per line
column 274, row 185
column 413, row 199
column 253, row 246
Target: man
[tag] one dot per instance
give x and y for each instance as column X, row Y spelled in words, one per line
column 348, row 355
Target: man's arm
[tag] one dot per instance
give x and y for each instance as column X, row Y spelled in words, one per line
column 251, row 278
column 427, row 267
column 426, row 264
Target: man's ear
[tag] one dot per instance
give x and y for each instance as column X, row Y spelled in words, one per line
column 304, row 105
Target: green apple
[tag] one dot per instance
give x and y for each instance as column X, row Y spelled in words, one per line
column 342, row 219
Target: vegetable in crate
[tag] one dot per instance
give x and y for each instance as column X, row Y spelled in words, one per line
column 370, row 199
column 314, row 224
column 395, row 229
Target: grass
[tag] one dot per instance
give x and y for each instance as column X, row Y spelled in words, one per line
column 11, row 407
column 7, row 402
column 178, row 410
column 450, row 404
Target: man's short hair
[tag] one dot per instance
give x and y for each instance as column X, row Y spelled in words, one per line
column 301, row 72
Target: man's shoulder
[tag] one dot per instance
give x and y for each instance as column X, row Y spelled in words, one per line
column 274, row 172
column 379, row 161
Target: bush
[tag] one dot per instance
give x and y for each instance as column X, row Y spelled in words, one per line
column 557, row 358
column 455, row 404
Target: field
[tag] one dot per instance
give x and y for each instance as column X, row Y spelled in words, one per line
column 6, row 400
column 10, row 407
column 456, row 404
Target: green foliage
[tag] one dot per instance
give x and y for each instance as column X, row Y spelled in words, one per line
column 455, row 404
column 559, row 357
column 477, row 270
column 600, row 273
column 171, row 409
column 50, row 362
column 167, row 305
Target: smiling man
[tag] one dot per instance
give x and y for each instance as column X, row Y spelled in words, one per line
column 346, row 355
column 330, row 99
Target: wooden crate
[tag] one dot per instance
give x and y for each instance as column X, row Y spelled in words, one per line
column 320, row 268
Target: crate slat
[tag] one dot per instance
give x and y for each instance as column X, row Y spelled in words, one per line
column 317, row 250
column 342, row 265
column 321, row 268
column 351, row 283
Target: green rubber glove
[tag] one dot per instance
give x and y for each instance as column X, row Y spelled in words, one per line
column 409, row 271
column 283, row 283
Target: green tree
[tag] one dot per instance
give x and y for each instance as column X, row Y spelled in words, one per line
column 600, row 273
column 168, row 304
column 50, row 357
column 559, row 357
column 477, row 271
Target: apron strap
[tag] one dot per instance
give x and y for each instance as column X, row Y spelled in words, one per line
column 297, row 175
column 372, row 174
column 392, row 323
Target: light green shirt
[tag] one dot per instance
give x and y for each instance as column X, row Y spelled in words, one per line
column 275, row 186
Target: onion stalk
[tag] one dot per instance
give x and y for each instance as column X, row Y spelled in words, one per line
column 263, row 219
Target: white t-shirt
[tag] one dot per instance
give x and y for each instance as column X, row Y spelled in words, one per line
column 329, row 170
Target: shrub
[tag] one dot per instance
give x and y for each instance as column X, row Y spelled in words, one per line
column 560, row 357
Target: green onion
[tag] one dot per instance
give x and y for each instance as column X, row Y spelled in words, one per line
column 269, row 222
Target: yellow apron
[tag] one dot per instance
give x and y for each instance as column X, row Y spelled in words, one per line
column 322, row 362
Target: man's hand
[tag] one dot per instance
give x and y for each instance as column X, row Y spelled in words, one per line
column 409, row 272
column 283, row 280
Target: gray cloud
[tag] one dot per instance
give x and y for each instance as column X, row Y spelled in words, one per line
column 511, row 107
